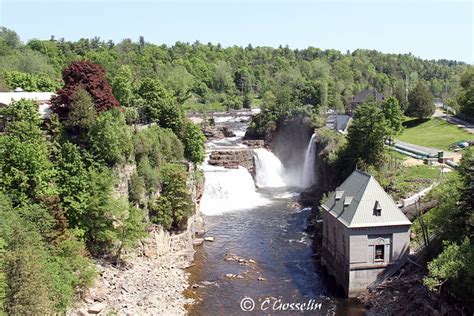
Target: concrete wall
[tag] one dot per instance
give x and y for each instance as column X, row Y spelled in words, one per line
column 335, row 250
column 348, row 254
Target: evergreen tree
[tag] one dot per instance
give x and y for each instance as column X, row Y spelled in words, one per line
column 420, row 102
column 367, row 133
column 82, row 113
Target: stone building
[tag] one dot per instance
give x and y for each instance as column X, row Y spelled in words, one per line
column 364, row 232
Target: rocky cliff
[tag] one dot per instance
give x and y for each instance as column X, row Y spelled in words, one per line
column 151, row 280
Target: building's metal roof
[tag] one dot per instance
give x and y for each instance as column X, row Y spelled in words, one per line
column 365, row 94
column 365, row 192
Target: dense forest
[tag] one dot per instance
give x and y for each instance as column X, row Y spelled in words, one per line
column 59, row 205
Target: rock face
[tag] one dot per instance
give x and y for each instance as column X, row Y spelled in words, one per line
column 254, row 143
column 151, row 280
column 217, row 132
column 233, row 158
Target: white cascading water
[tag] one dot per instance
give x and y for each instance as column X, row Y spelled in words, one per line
column 228, row 190
column 308, row 172
column 269, row 170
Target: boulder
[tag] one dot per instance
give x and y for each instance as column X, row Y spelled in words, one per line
column 96, row 308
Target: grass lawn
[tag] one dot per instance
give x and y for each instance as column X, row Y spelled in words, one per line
column 397, row 155
column 435, row 133
column 411, row 180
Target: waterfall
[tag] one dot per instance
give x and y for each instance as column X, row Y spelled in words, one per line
column 268, row 169
column 227, row 190
column 308, row 172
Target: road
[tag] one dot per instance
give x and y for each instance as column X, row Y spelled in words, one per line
column 468, row 127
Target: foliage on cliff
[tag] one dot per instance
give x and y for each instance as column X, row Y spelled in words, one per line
column 175, row 205
column 452, row 221
column 60, row 199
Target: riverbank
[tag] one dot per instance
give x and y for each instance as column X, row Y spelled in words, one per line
column 150, row 281
column 143, row 286
column 405, row 294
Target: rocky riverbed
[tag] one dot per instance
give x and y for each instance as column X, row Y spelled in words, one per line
column 141, row 286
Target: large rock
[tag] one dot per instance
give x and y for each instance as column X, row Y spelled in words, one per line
column 254, row 143
column 96, row 308
column 217, row 132
column 233, row 158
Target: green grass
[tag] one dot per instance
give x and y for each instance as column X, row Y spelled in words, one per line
column 411, row 180
column 435, row 133
column 397, row 155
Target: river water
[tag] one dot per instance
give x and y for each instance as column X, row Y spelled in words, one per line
column 266, row 226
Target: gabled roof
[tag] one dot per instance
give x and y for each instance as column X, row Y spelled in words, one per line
column 365, row 196
column 365, row 94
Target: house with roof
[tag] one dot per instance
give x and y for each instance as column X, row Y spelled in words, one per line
column 364, row 232
column 363, row 96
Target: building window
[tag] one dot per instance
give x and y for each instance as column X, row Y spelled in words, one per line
column 379, row 252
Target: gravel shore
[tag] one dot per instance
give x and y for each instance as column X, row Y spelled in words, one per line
column 143, row 286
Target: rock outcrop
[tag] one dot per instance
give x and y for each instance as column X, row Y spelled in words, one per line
column 254, row 143
column 151, row 279
column 217, row 132
column 233, row 158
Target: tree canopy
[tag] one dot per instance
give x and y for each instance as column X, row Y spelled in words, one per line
column 420, row 102
column 90, row 77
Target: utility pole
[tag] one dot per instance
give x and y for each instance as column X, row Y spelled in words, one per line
column 406, row 88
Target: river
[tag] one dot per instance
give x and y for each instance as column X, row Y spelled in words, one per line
column 266, row 229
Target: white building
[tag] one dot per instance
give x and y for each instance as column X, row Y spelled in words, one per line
column 364, row 232
column 43, row 99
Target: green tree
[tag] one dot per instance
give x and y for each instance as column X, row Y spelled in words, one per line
column 160, row 106
column 29, row 286
column 420, row 102
column 82, row 114
column 454, row 263
column 466, row 97
column 9, row 41
column 394, row 117
column 367, row 134
column 26, row 171
column 110, row 137
column 193, row 140
column 131, row 230
column 175, row 205
column 30, row 82
column 122, row 85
